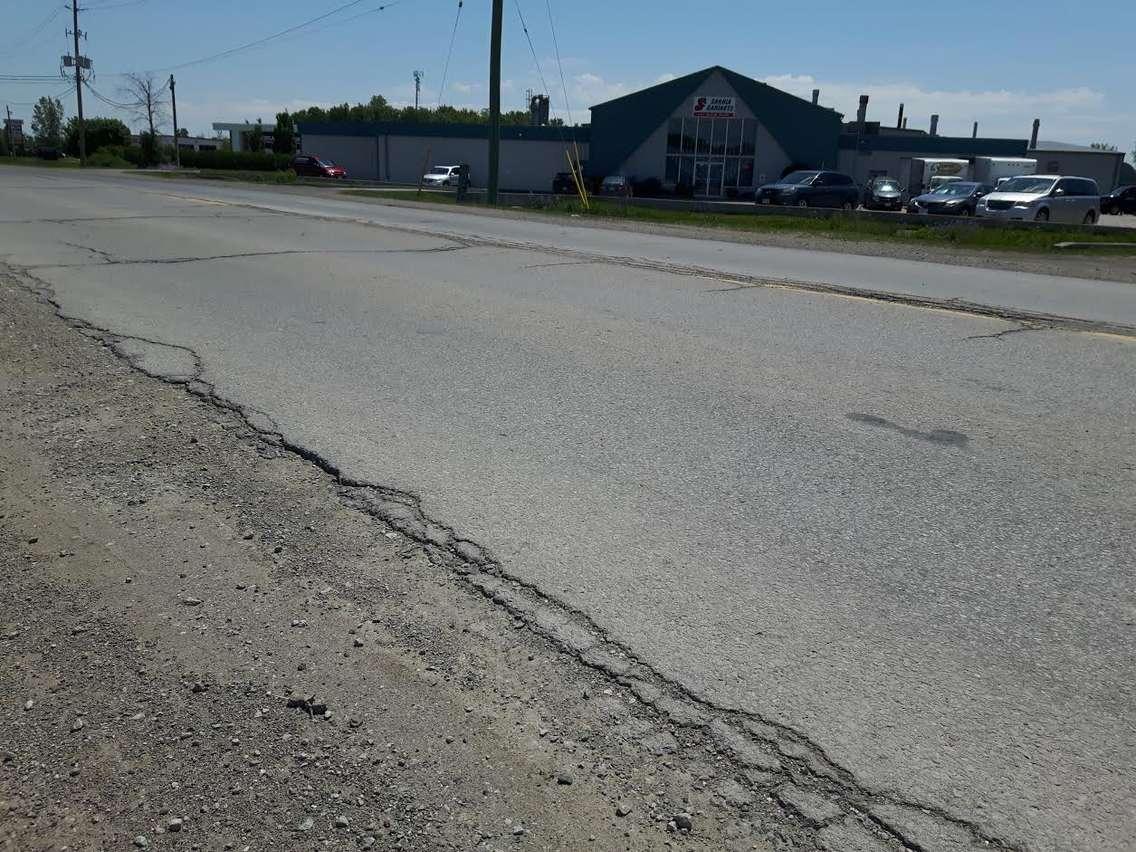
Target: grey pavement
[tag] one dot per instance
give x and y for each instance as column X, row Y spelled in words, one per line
column 908, row 534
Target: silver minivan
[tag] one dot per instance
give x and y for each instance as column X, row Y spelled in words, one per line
column 1044, row 198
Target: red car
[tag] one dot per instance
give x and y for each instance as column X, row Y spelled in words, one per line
column 311, row 165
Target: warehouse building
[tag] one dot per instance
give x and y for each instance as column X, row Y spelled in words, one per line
column 866, row 155
column 399, row 152
column 711, row 134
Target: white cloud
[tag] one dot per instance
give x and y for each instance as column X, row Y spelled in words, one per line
column 1076, row 114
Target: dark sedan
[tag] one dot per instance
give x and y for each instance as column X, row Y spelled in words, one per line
column 811, row 189
column 959, row 198
column 883, row 194
column 1120, row 200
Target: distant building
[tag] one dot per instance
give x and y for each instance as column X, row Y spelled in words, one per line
column 239, row 134
column 14, row 131
column 1062, row 158
column 190, row 143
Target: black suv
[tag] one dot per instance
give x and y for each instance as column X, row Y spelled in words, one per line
column 1120, row 200
column 811, row 189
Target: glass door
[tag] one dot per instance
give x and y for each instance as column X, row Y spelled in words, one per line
column 701, row 176
column 714, row 179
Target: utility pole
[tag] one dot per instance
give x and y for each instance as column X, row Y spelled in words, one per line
column 174, row 103
column 417, row 88
column 495, row 102
column 8, row 131
column 79, row 85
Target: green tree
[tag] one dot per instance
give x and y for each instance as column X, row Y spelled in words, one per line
column 1103, row 146
column 3, row 144
column 101, row 133
column 284, row 137
column 256, row 137
column 47, row 122
column 151, row 151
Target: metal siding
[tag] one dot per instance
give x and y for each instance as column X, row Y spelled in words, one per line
column 357, row 154
column 1101, row 166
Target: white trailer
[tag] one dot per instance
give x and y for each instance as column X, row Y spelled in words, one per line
column 925, row 170
column 994, row 170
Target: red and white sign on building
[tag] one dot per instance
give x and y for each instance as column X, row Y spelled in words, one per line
column 713, row 107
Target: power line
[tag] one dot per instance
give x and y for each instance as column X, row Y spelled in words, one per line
column 266, row 39
column 35, row 31
column 449, row 53
column 559, row 64
column 532, row 50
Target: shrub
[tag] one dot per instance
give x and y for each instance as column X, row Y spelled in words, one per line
column 108, row 157
column 252, row 161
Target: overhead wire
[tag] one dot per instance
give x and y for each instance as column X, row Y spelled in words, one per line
column 559, row 64
column 34, row 32
column 532, row 50
column 269, row 38
column 449, row 53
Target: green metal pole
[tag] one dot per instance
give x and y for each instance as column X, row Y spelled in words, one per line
column 495, row 102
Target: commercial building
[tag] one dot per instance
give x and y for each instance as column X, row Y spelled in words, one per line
column 711, row 134
column 239, row 133
column 399, row 152
column 1061, row 158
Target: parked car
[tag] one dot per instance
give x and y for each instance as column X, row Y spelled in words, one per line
column 563, row 184
column 1044, row 198
column 441, row 176
column 616, row 185
column 1120, row 200
column 883, row 193
column 958, row 198
column 811, row 189
column 311, row 165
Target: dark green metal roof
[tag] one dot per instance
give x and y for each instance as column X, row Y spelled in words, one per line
column 943, row 145
column 806, row 132
column 460, row 131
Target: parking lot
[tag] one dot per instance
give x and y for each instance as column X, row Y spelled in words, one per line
column 1127, row 221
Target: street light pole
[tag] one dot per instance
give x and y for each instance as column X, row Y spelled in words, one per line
column 495, row 102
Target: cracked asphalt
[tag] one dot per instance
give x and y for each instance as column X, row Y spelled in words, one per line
column 903, row 535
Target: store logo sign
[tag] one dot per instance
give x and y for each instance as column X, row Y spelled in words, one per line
column 713, row 107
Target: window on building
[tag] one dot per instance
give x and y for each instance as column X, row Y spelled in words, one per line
column 711, row 156
column 674, row 136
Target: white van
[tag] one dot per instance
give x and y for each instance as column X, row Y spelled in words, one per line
column 1044, row 198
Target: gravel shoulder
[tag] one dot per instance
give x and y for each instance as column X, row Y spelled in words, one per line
column 207, row 647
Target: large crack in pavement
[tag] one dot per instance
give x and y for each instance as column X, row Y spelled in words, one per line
column 109, row 259
column 763, row 750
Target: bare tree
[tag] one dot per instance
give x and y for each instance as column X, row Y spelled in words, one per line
column 143, row 97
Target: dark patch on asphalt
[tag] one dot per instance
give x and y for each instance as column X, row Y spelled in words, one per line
column 942, row 437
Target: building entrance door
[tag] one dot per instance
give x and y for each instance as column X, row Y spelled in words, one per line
column 708, row 177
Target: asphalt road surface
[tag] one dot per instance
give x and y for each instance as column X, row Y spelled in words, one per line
column 906, row 533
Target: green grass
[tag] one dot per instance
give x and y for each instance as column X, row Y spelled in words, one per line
column 225, row 174
column 69, row 163
column 431, row 196
column 837, row 227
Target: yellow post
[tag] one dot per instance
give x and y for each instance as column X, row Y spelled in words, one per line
column 576, row 179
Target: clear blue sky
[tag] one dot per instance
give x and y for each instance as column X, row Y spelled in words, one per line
column 1001, row 63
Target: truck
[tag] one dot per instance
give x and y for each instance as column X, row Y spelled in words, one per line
column 995, row 170
column 928, row 173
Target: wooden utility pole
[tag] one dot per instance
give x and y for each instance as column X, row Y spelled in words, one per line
column 495, row 102
column 79, row 84
column 8, row 131
column 174, row 103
